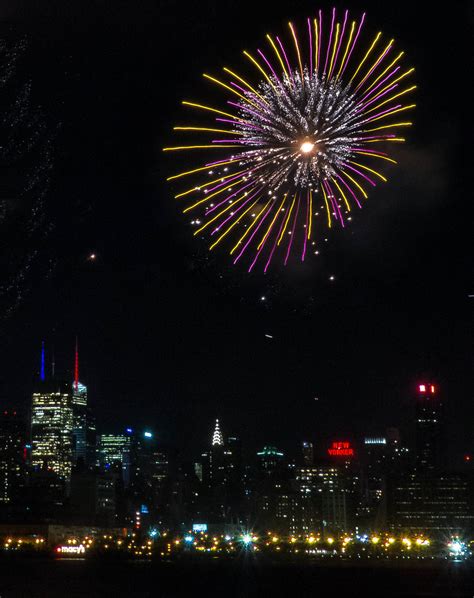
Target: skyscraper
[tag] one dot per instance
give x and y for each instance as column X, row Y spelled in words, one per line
column 429, row 498
column 375, row 462
column 270, row 461
column 12, row 455
column 428, row 428
column 308, row 453
column 216, row 466
column 324, row 497
column 217, row 438
column 440, row 504
column 213, row 461
column 80, row 416
column 79, row 427
column 149, row 473
column 234, row 477
column 51, row 427
column 114, row 451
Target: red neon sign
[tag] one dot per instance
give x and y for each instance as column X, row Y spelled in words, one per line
column 341, row 449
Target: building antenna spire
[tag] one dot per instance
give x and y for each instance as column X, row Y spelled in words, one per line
column 76, row 366
column 42, row 374
column 217, row 437
column 53, row 363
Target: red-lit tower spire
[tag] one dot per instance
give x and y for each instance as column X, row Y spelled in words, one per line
column 76, row 367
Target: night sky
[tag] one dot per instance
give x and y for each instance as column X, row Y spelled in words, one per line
column 171, row 338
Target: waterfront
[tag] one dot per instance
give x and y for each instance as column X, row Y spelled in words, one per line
column 241, row 578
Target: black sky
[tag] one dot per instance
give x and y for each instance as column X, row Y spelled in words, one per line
column 172, row 339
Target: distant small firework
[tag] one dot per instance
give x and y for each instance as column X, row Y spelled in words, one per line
column 297, row 143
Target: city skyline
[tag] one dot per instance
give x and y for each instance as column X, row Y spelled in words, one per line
column 321, row 437
column 57, row 467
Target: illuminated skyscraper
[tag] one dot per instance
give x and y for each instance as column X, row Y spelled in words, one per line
column 324, row 498
column 51, row 427
column 270, row 461
column 114, row 450
column 428, row 428
column 218, row 465
column 308, row 453
column 213, row 460
column 217, row 438
column 79, row 428
column 12, row 455
column 440, row 504
column 80, row 416
column 429, row 498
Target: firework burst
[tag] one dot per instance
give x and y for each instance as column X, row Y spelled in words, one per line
column 299, row 139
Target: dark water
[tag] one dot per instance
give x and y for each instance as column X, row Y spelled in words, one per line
column 232, row 579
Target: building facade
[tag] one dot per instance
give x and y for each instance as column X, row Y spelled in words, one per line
column 13, row 455
column 440, row 505
column 113, row 453
column 429, row 420
column 79, row 427
column 52, row 423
